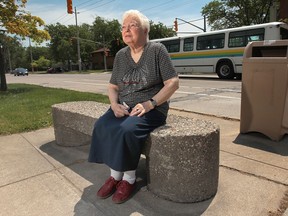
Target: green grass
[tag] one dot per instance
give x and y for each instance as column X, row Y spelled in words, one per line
column 28, row 107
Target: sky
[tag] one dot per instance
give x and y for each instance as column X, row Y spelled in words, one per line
column 163, row 11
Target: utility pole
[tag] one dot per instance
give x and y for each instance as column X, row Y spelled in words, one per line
column 105, row 59
column 204, row 24
column 9, row 59
column 105, row 53
column 31, row 55
column 3, row 83
column 78, row 42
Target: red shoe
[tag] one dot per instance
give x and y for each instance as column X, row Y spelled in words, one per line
column 108, row 188
column 123, row 192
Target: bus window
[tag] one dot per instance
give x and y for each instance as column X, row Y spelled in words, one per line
column 255, row 38
column 188, row 44
column 241, row 38
column 283, row 33
column 172, row 45
column 215, row 41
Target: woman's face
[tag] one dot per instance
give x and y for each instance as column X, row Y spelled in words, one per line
column 132, row 31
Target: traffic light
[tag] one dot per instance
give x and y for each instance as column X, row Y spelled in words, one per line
column 69, row 7
column 176, row 25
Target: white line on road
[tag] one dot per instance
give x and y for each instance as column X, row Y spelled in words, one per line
column 86, row 83
column 214, row 89
column 219, row 96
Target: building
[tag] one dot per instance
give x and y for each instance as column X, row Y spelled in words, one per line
column 99, row 57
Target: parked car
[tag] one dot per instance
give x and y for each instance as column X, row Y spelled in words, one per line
column 55, row 70
column 20, row 71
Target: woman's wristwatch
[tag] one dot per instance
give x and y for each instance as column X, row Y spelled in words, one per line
column 153, row 102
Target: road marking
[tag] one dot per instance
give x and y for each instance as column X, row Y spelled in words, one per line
column 215, row 89
column 227, row 90
column 227, row 97
column 85, row 83
column 201, row 94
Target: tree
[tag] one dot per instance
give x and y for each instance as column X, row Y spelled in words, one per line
column 42, row 63
column 63, row 44
column 107, row 34
column 86, row 43
column 38, row 52
column 15, row 53
column 15, row 20
column 62, row 39
column 35, row 53
column 223, row 14
column 160, row 31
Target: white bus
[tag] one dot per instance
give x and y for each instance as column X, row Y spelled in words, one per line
column 219, row 51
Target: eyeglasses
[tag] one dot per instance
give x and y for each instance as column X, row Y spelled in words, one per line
column 130, row 26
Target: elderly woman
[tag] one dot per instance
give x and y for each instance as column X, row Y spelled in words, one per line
column 142, row 81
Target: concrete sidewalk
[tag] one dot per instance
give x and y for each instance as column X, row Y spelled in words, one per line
column 40, row 178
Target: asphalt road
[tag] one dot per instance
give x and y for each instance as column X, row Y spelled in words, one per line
column 199, row 94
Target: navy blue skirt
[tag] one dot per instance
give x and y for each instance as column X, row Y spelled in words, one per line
column 118, row 142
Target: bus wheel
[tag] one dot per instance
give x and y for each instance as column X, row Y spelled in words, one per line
column 225, row 70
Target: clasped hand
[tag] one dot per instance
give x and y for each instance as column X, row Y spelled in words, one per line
column 139, row 109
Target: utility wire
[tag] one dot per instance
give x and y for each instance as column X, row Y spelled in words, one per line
column 85, row 3
column 83, row 11
column 88, row 5
column 183, row 4
column 97, row 6
column 63, row 17
column 157, row 6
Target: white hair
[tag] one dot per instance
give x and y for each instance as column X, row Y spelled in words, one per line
column 144, row 21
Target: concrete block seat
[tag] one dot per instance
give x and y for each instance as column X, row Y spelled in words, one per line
column 182, row 157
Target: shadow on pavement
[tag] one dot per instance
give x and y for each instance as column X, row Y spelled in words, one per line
column 259, row 141
column 94, row 175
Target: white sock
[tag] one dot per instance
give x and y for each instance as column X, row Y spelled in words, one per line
column 116, row 174
column 130, row 176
